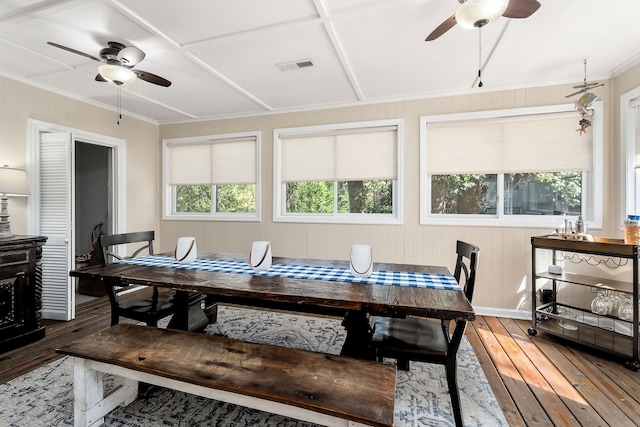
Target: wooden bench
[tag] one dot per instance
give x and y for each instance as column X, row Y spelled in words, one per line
column 316, row 387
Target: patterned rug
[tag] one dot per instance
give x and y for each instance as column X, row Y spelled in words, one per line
column 44, row 397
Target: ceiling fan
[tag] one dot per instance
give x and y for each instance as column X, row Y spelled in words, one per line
column 118, row 61
column 478, row 13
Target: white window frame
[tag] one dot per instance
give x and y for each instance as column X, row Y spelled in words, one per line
column 168, row 194
column 630, row 176
column 279, row 194
column 592, row 182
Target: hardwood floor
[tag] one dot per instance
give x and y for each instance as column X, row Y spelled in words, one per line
column 544, row 381
column 538, row 381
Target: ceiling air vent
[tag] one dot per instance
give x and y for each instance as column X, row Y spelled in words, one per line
column 294, row 65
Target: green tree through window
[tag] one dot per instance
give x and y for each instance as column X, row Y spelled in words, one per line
column 193, row 198
column 370, row 196
column 228, row 198
column 541, row 193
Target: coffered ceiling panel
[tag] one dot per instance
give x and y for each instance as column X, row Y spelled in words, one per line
column 225, row 58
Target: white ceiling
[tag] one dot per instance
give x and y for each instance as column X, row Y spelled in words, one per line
column 221, row 55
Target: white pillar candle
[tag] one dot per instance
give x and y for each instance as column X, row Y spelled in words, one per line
column 186, row 251
column 260, row 256
column 361, row 260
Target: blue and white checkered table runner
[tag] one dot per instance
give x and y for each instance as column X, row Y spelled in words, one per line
column 334, row 274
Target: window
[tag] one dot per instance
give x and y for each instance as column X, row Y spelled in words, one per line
column 524, row 167
column 630, row 147
column 343, row 173
column 212, row 178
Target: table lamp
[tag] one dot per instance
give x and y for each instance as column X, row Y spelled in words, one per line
column 13, row 182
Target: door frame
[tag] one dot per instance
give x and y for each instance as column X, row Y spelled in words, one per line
column 117, row 172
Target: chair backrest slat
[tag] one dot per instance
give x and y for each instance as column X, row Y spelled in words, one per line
column 107, row 241
column 466, row 266
column 465, row 274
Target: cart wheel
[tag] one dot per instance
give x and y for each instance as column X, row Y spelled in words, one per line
column 532, row 331
column 633, row 365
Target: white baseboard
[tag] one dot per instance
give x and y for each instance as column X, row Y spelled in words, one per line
column 500, row 312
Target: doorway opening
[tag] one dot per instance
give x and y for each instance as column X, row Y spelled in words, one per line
column 93, row 210
column 77, row 182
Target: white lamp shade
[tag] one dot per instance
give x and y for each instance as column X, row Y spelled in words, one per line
column 14, row 182
column 117, row 74
column 478, row 13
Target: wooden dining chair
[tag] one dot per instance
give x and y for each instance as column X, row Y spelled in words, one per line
column 425, row 340
column 146, row 308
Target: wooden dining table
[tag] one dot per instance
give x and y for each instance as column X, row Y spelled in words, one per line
column 357, row 303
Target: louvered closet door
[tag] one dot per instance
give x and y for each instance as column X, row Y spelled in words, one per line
column 58, row 297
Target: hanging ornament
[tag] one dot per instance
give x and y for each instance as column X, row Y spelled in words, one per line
column 583, row 104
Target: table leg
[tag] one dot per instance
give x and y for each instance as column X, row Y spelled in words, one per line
column 189, row 314
column 359, row 327
column 211, row 308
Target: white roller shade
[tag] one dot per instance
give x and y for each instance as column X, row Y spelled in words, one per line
column 636, row 104
column 542, row 143
column 366, row 156
column 233, row 162
column 308, row 159
column 346, row 155
column 189, row 164
column 217, row 162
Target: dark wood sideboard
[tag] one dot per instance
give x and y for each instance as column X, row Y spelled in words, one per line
column 20, row 291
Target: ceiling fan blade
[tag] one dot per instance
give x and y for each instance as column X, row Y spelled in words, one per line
column 152, row 78
column 77, row 52
column 99, row 78
column 574, row 94
column 521, row 8
column 442, row 28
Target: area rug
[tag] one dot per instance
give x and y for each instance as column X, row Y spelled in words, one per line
column 44, row 397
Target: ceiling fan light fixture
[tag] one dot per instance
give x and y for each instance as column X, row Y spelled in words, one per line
column 117, row 74
column 478, row 13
